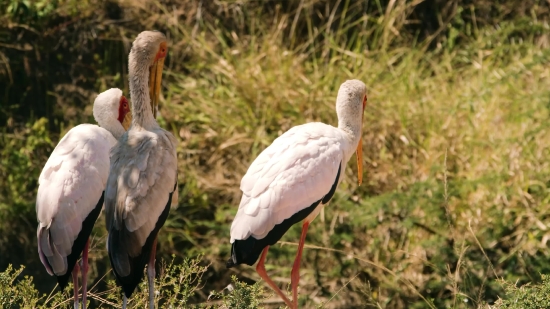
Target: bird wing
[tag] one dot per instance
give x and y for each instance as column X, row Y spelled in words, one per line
column 70, row 186
column 142, row 177
column 296, row 170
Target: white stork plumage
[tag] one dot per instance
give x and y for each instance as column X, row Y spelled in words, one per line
column 292, row 179
column 143, row 173
column 70, row 191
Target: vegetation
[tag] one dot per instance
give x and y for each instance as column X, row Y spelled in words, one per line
column 455, row 205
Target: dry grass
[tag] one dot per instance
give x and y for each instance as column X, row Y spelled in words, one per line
column 455, row 193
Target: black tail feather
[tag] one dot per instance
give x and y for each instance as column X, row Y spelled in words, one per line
column 247, row 251
column 244, row 251
column 80, row 243
column 137, row 263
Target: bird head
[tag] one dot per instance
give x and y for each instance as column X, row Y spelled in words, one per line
column 350, row 107
column 151, row 48
column 110, row 110
column 124, row 115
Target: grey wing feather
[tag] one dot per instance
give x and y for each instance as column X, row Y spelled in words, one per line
column 142, row 177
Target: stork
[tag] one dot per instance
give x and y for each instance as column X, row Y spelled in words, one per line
column 70, row 191
column 292, row 179
column 143, row 173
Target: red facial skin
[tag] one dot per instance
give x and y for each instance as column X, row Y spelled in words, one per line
column 123, row 109
column 163, row 50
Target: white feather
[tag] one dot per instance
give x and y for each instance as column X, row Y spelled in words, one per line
column 70, row 186
column 296, row 170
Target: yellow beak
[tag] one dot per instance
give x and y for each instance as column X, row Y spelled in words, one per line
column 155, row 78
column 127, row 122
column 359, row 151
column 359, row 155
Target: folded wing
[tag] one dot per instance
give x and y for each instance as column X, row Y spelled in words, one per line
column 70, row 187
column 138, row 196
column 295, row 171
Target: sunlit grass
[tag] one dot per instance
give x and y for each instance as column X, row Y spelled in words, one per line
column 456, row 149
column 484, row 104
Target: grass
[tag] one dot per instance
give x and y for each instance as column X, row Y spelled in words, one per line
column 455, row 200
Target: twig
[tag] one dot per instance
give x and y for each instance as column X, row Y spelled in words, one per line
column 102, row 300
column 481, row 248
column 341, row 288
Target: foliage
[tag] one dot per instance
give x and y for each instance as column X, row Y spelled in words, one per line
column 174, row 285
column 22, row 155
column 20, row 294
column 456, row 192
column 527, row 296
column 240, row 296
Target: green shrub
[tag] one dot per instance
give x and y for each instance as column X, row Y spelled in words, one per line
column 528, row 296
column 17, row 293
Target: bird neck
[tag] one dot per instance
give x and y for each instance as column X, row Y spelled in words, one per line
column 142, row 114
column 350, row 122
column 352, row 128
column 352, row 135
column 351, row 125
column 114, row 127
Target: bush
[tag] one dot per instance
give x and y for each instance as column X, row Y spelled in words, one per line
column 527, row 296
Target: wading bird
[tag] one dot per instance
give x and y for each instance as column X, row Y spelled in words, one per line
column 70, row 191
column 292, row 179
column 143, row 174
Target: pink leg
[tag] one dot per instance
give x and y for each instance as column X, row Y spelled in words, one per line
column 260, row 268
column 75, row 284
column 85, row 273
column 295, row 273
column 151, row 275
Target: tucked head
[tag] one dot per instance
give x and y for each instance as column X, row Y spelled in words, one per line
column 148, row 53
column 110, row 109
column 350, row 105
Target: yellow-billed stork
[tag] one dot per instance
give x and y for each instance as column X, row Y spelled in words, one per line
column 71, row 187
column 143, row 174
column 292, row 179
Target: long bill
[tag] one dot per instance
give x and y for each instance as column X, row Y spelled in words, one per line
column 127, row 122
column 359, row 151
column 155, row 79
column 359, row 155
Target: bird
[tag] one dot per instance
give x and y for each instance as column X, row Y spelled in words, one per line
column 70, row 192
column 292, row 179
column 143, row 173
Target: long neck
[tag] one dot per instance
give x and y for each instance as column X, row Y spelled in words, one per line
column 350, row 122
column 142, row 114
column 350, row 127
